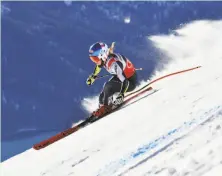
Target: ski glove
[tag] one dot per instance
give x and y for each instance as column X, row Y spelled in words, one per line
column 90, row 80
column 119, row 99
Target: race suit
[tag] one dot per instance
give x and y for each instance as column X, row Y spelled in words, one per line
column 124, row 77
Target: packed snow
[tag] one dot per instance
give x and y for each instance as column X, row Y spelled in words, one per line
column 175, row 131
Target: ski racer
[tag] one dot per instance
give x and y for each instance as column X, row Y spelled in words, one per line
column 124, row 77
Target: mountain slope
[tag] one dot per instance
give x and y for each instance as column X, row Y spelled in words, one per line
column 176, row 131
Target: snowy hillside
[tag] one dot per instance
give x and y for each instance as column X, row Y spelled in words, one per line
column 175, row 131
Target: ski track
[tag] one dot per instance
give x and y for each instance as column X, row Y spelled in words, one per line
column 198, row 163
column 153, row 148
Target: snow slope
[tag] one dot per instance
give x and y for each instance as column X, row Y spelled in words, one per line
column 175, row 131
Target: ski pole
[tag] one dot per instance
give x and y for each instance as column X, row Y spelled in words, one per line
column 139, row 69
column 98, row 77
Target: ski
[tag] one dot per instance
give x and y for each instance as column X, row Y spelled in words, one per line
column 59, row 136
column 91, row 119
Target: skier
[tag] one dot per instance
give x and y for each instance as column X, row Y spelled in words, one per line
column 124, row 77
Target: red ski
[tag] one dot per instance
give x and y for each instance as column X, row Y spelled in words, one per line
column 86, row 122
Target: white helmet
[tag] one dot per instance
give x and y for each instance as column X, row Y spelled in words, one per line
column 98, row 51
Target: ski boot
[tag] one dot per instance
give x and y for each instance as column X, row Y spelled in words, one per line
column 119, row 100
column 102, row 110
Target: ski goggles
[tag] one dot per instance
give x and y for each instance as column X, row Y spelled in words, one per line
column 94, row 57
